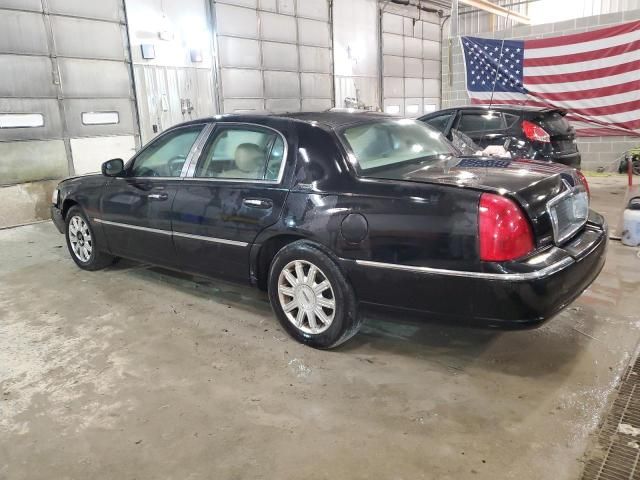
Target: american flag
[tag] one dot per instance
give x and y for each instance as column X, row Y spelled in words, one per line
column 595, row 76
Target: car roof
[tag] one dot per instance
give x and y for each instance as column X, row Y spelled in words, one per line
column 337, row 118
column 331, row 118
column 500, row 107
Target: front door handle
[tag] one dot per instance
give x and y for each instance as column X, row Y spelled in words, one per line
column 157, row 196
column 258, row 202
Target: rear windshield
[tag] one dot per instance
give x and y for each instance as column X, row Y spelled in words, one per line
column 391, row 143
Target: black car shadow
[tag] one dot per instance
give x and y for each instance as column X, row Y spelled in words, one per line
column 546, row 350
column 526, row 353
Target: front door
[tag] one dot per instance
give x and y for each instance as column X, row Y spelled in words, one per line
column 234, row 192
column 136, row 208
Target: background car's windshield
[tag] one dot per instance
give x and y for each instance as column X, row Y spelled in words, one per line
column 393, row 142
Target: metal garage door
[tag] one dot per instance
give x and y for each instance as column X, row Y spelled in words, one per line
column 172, row 61
column 410, row 65
column 66, row 102
column 274, row 55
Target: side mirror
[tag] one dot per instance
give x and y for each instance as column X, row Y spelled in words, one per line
column 113, row 167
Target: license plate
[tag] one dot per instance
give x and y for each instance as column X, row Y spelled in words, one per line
column 568, row 212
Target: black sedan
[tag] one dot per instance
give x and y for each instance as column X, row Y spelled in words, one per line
column 333, row 212
column 526, row 132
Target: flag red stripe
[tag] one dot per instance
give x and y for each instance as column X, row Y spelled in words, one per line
column 609, row 109
column 528, row 103
column 582, row 57
column 583, row 37
column 631, row 125
column 601, row 126
column 621, row 130
column 593, row 111
column 584, row 75
column 592, row 93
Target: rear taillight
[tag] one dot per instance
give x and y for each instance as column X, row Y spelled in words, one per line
column 584, row 182
column 534, row 132
column 504, row 231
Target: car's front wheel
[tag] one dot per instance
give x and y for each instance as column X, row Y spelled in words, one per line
column 81, row 242
column 312, row 298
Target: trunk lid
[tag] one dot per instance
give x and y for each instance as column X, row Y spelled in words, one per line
column 531, row 183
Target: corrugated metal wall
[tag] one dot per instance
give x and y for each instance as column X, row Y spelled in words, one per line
column 274, row 55
column 66, row 104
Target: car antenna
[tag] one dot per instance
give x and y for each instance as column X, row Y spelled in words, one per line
column 495, row 78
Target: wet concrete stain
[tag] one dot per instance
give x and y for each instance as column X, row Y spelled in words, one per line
column 138, row 372
column 25, row 203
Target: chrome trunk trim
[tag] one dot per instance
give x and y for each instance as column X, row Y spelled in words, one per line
column 511, row 277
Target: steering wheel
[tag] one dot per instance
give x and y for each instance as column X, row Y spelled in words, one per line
column 146, row 172
column 176, row 164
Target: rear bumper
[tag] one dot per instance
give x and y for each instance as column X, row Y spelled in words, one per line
column 58, row 220
column 519, row 295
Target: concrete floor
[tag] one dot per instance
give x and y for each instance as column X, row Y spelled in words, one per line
column 134, row 372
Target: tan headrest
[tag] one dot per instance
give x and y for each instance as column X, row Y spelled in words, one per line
column 249, row 157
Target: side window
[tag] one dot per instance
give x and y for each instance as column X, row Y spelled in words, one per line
column 165, row 156
column 275, row 160
column 440, row 122
column 250, row 153
column 510, row 119
column 480, row 122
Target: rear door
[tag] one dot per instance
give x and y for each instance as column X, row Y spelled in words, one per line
column 233, row 191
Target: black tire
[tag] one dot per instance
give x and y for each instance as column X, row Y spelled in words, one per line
column 95, row 259
column 345, row 321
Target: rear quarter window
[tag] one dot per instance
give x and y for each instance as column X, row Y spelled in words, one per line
column 510, row 120
column 440, row 122
column 481, row 122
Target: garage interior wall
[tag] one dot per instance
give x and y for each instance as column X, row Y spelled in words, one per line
column 473, row 21
column 171, row 49
column 274, row 55
column 596, row 151
column 65, row 105
column 410, row 62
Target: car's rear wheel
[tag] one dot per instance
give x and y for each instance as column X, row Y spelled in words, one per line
column 312, row 298
column 81, row 242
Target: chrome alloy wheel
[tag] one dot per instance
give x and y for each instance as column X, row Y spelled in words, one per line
column 80, row 238
column 306, row 297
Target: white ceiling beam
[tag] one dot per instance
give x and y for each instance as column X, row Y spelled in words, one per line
column 487, row 6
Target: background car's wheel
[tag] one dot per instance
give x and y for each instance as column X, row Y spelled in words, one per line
column 312, row 298
column 82, row 242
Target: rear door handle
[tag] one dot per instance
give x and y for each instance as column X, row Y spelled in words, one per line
column 157, row 196
column 258, row 202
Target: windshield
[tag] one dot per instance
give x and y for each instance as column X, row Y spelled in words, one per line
column 390, row 143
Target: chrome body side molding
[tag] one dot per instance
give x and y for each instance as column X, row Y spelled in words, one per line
column 177, row 234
